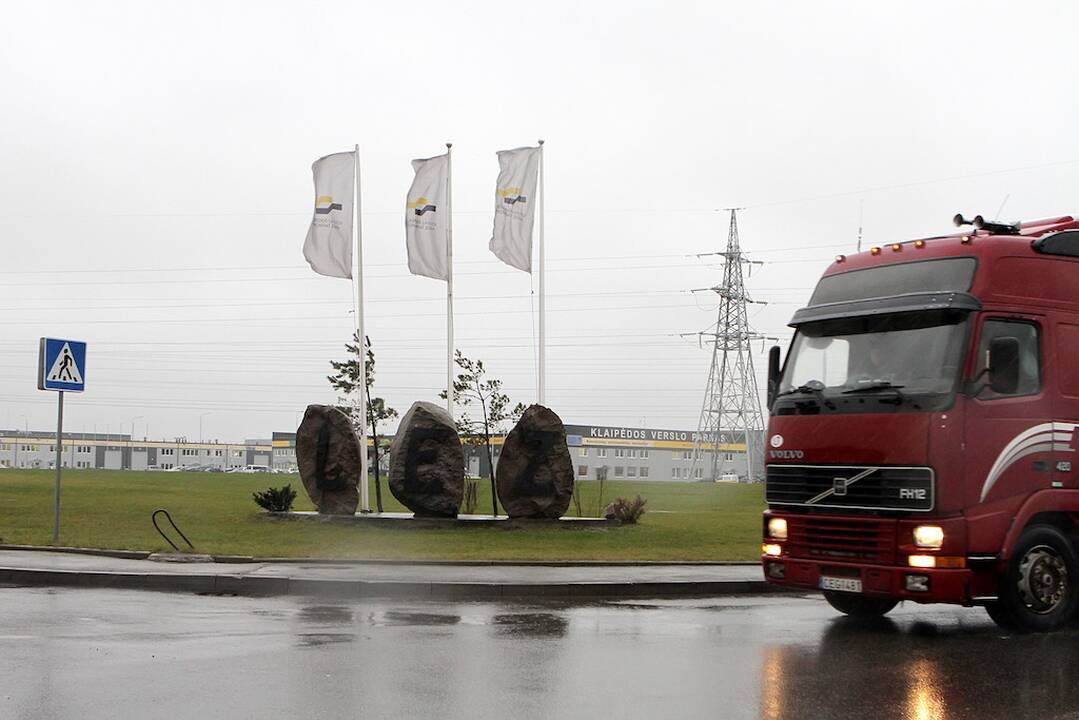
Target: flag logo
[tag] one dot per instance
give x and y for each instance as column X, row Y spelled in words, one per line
column 511, row 195
column 421, row 206
column 324, row 205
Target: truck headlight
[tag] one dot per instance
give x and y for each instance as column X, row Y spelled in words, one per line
column 929, row 536
column 777, row 528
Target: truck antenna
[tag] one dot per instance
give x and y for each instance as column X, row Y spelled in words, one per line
column 1002, row 204
column 861, row 207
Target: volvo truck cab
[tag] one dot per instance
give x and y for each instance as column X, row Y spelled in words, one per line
column 920, row 439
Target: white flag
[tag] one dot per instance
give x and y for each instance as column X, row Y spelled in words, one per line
column 427, row 219
column 328, row 247
column 515, row 206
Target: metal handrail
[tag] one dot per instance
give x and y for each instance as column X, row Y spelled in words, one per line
column 153, row 518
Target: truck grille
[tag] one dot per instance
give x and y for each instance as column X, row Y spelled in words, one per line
column 846, row 486
column 854, row 539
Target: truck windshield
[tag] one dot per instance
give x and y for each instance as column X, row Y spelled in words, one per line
column 908, row 362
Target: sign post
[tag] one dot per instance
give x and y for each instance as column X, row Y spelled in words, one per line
column 61, row 367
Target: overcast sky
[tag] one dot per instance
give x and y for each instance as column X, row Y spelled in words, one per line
column 155, row 186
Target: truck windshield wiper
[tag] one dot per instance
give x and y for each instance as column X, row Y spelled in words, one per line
column 813, row 387
column 878, row 385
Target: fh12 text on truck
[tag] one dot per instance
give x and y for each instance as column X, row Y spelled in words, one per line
column 922, row 434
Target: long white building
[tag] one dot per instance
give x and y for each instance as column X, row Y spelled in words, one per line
column 36, row 449
column 597, row 451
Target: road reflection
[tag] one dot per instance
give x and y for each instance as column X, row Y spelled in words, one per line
column 919, row 671
column 924, row 697
column 531, row 625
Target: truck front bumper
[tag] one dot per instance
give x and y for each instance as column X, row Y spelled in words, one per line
column 929, row 585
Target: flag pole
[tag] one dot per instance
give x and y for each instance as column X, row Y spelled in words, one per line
column 361, row 342
column 449, row 280
column 542, row 369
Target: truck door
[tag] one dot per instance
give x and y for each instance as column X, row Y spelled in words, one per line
column 1066, row 403
column 1008, row 438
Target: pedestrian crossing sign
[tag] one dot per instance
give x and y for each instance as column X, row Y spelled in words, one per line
column 61, row 365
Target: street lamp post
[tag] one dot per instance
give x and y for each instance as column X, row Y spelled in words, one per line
column 26, row 427
column 130, row 447
column 200, row 424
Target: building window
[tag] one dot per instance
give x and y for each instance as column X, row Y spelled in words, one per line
column 697, row 473
column 687, row 454
column 217, row 453
column 619, row 471
column 644, row 453
column 631, row 471
column 583, row 452
column 167, row 451
column 644, row 472
column 632, row 452
column 675, row 473
column 601, row 452
column 728, row 456
column 582, row 470
column 619, row 452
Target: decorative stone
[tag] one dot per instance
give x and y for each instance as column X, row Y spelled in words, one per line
column 535, row 473
column 427, row 464
column 328, row 455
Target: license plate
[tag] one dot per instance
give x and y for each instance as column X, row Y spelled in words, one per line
column 851, row 585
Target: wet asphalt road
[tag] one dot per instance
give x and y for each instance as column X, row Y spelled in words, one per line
column 106, row 654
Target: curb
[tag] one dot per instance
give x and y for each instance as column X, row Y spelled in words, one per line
column 225, row 584
column 233, row 559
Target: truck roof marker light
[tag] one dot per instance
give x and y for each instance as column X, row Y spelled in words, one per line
column 919, row 244
column 966, row 239
column 840, row 258
column 896, row 247
column 874, row 251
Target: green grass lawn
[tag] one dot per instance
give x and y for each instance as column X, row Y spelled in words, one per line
column 111, row 509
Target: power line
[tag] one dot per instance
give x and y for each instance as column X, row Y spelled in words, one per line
column 916, row 183
column 312, row 277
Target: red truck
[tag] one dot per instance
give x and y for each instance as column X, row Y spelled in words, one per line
column 920, row 444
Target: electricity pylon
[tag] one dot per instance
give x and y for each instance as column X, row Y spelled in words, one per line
column 732, row 408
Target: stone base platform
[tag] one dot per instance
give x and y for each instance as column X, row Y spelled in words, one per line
column 408, row 520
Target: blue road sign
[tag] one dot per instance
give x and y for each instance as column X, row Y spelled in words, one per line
column 61, row 365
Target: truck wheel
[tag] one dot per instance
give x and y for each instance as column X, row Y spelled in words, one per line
column 1038, row 590
column 859, row 606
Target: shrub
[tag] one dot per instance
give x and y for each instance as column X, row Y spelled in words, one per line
column 275, row 499
column 628, row 511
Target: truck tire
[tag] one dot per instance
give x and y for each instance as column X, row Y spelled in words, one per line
column 1038, row 591
column 859, row 606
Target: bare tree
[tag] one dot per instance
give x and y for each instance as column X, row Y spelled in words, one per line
column 472, row 390
column 345, row 381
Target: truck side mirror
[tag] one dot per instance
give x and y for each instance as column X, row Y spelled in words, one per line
column 773, row 374
column 1004, row 365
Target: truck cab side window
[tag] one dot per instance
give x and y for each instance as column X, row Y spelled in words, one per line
column 1029, row 358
